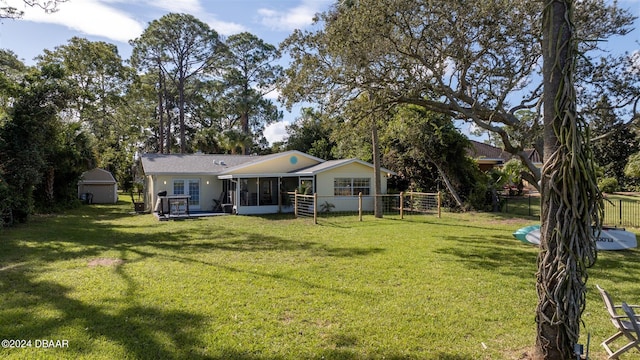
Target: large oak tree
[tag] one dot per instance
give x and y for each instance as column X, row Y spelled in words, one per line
column 475, row 61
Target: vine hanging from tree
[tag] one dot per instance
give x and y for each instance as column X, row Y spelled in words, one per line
column 572, row 203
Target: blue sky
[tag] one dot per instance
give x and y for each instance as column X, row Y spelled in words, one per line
column 117, row 21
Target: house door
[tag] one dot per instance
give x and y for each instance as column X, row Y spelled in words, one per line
column 306, row 186
column 188, row 187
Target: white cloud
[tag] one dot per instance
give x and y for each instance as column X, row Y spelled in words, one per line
column 224, row 27
column 272, row 95
column 195, row 8
column 192, row 7
column 276, row 132
column 104, row 17
column 90, row 17
column 294, row 18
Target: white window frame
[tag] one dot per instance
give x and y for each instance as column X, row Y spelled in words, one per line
column 194, row 202
column 348, row 186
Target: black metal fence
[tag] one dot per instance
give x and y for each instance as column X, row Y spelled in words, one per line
column 617, row 212
column 622, row 212
column 527, row 205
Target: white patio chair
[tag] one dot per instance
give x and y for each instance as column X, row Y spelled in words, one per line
column 625, row 324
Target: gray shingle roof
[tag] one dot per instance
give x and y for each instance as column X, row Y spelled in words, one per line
column 216, row 164
column 205, row 164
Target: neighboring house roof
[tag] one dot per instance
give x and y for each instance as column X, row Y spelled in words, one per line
column 490, row 153
column 484, row 151
column 332, row 164
column 534, row 156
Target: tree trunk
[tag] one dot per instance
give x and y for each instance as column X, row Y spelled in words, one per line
column 167, row 109
column 244, row 124
column 570, row 202
column 181, row 101
column 377, row 199
column 160, row 109
column 49, row 184
column 449, row 186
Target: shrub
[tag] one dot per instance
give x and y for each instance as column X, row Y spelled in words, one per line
column 608, row 185
column 326, row 207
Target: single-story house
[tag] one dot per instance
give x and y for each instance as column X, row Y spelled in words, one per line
column 98, row 186
column 255, row 184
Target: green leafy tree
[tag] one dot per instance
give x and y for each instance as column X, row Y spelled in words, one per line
column 29, row 135
column 513, row 171
column 632, row 169
column 181, row 48
column 248, row 74
column 234, row 141
column 12, row 71
column 613, row 141
column 466, row 59
column 96, row 73
column 311, row 134
column 426, row 149
column 70, row 154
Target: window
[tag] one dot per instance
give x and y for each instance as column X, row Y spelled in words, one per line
column 351, row 186
column 178, row 187
column 188, row 187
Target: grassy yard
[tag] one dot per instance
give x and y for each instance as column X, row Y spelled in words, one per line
column 122, row 286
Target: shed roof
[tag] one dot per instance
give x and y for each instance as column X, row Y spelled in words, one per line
column 97, row 176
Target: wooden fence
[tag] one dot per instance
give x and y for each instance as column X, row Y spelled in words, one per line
column 314, row 205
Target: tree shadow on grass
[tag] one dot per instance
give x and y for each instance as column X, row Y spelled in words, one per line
column 142, row 330
column 145, row 332
column 251, row 242
column 508, row 256
column 495, row 253
column 616, row 267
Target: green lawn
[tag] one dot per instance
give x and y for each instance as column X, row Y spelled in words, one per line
column 239, row 287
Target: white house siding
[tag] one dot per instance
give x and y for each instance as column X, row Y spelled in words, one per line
column 162, row 170
column 257, row 210
column 325, row 187
column 208, row 192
